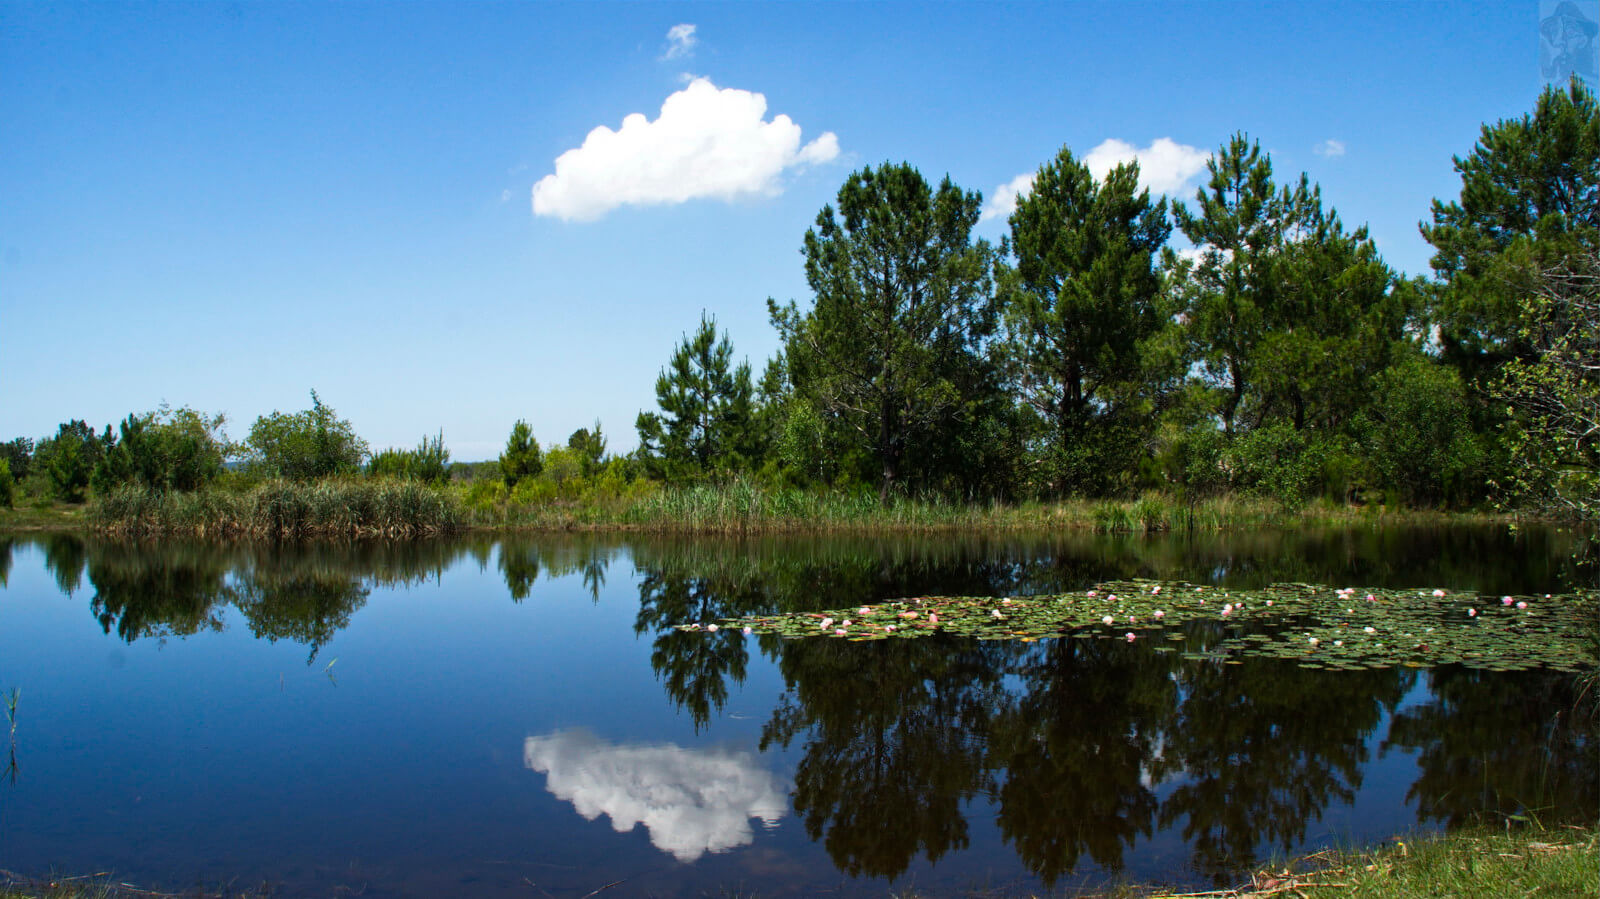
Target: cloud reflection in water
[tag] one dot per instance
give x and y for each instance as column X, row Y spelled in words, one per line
column 692, row 801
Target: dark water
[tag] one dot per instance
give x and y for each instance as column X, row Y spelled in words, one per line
column 516, row 718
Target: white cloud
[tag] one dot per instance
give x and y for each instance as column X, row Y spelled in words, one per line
column 680, row 42
column 692, row 801
column 1165, row 167
column 1330, row 148
column 707, row 142
column 1003, row 200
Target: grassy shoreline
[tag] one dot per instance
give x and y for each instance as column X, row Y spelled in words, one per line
column 1553, row 862
column 401, row 509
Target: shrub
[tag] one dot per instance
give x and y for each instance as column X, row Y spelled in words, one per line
column 307, row 445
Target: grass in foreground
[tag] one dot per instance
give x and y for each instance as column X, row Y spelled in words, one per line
column 1563, row 862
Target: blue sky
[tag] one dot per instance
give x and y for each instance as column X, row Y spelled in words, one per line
column 226, row 205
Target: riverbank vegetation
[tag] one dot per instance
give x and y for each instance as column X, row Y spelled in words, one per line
column 1121, row 360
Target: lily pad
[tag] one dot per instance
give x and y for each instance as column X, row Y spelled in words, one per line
column 1344, row 628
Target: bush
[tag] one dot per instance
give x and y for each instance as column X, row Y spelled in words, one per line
column 1417, row 434
column 164, row 450
column 306, row 445
column 8, row 486
column 428, row 463
column 1280, row 462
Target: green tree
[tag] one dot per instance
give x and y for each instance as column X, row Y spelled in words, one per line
column 19, row 453
column 522, row 458
column 168, row 449
column 1289, row 314
column 69, row 458
column 429, row 462
column 706, row 424
column 1338, row 316
column 306, row 445
column 1228, row 289
column 1417, row 433
column 1530, row 197
column 8, row 493
column 1083, row 308
column 1554, row 398
column 590, row 447
column 892, row 352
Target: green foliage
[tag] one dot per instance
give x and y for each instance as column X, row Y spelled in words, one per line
column 590, row 448
column 891, row 356
column 1530, row 197
column 18, row 452
column 1083, row 306
column 1554, row 399
column 8, row 487
column 522, row 458
column 1289, row 314
column 485, row 495
column 281, row 509
column 168, row 449
column 304, row 446
column 429, row 462
column 1417, row 434
column 706, row 427
column 1280, row 462
column 68, row 459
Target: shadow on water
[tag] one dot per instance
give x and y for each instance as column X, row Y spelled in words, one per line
column 1084, row 749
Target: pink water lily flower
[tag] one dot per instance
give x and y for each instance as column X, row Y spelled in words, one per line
column 1522, row 605
column 1506, row 600
column 839, row 632
column 1438, row 593
column 1472, row 613
column 1160, row 614
column 1156, row 589
column 748, row 632
column 826, row 623
column 1130, row 636
column 933, row 618
column 1108, row 620
column 712, row 628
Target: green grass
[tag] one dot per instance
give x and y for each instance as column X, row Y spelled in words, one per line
column 344, row 508
column 1486, row 864
column 281, row 509
column 41, row 516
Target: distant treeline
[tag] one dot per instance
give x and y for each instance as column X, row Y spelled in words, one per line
column 1270, row 353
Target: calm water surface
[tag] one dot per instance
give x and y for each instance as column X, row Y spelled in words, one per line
column 517, row 718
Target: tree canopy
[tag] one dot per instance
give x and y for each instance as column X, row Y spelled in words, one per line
column 892, row 349
column 705, row 426
column 302, row 446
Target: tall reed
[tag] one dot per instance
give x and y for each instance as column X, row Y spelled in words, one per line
column 282, row 509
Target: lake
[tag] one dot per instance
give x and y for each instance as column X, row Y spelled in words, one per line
column 519, row 717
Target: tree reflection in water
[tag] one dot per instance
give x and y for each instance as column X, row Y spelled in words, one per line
column 1083, row 747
